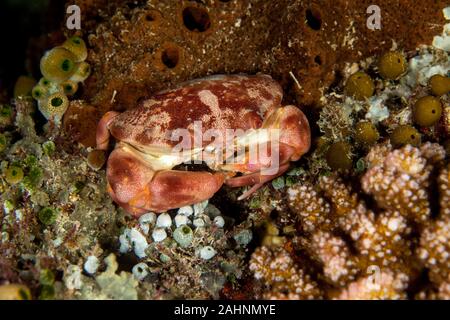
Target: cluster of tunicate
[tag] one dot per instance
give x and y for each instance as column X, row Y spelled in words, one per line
column 63, row 69
column 390, row 97
column 179, row 230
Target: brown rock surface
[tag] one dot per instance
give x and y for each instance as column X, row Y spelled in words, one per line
column 140, row 47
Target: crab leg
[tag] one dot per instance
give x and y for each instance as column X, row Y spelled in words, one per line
column 256, row 179
column 294, row 141
column 102, row 134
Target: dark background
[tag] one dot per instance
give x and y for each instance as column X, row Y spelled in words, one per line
column 21, row 20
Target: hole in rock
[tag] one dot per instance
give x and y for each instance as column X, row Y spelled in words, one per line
column 170, row 57
column 196, row 19
column 313, row 19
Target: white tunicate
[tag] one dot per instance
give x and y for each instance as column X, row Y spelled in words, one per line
column 72, row 278
column 164, row 221
column 140, row 271
column 180, row 220
column 159, row 234
column 187, row 211
column 212, row 211
column 446, row 13
column 199, row 222
column 146, row 220
column 219, row 221
column 139, row 242
column 207, row 252
column 124, row 240
column 164, row 258
column 206, row 218
column 57, row 242
column 19, row 214
column 183, row 236
column 377, row 110
column 91, row 265
column 199, row 208
column 243, row 237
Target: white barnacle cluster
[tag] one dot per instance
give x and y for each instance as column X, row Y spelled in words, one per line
column 182, row 230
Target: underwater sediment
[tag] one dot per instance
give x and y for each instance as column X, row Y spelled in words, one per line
column 363, row 215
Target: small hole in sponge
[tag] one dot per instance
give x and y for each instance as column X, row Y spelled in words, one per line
column 313, row 19
column 170, row 57
column 318, row 60
column 149, row 17
column 196, row 19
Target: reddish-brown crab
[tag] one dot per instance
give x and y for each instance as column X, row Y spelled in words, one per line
column 139, row 170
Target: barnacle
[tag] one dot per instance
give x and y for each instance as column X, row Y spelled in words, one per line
column 392, row 65
column 360, row 86
column 427, row 111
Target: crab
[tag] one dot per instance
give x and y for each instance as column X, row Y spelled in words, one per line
column 140, row 170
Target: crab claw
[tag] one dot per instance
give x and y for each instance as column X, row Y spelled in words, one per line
column 103, row 134
column 139, row 189
column 174, row 189
column 294, row 141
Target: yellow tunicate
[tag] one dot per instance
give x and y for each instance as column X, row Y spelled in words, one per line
column 360, row 86
column 392, row 65
column 82, row 71
column 77, row 46
column 427, row 111
column 45, row 82
column 14, row 175
column 439, row 85
column 54, row 106
column 69, row 87
column 39, row 92
column 339, row 156
column 23, row 86
column 366, row 133
column 14, row 292
column 58, row 64
column 405, row 134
